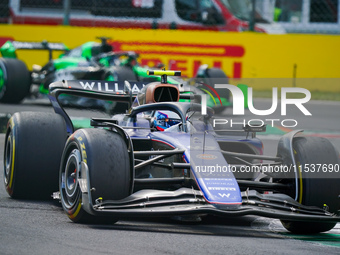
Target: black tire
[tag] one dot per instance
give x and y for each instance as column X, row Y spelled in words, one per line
column 318, row 188
column 33, row 148
column 107, row 158
column 15, row 80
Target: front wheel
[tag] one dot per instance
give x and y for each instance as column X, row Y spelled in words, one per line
column 106, row 156
column 315, row 188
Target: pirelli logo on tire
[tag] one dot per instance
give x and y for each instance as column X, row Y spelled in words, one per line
column 83, row 148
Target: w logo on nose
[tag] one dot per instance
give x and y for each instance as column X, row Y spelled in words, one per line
column 224, row 195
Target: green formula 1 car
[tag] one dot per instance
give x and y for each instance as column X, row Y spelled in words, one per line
column 90, row 61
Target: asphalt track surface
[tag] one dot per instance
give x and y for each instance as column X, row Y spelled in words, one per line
column 41, row 227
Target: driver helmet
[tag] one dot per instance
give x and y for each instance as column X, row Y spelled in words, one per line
column 165, row 119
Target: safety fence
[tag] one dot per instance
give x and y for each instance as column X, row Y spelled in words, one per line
column 270, row 16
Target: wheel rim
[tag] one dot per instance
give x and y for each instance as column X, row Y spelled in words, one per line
column 71, row 173
column 8, row 159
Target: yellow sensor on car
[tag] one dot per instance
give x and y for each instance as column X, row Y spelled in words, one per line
column 163, row 72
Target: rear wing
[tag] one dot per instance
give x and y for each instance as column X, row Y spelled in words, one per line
column 9, row 48
column 97, row 89
column 118, row 91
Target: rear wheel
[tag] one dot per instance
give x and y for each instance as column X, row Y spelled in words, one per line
column 15, row 80
column 106, row 156
column 33, row 148
column 315, row 188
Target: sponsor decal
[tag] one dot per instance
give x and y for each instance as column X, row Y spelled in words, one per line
column 224, row 195
column 196, row 53
column 110, row 86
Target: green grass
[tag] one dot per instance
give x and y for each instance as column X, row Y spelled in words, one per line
column 316, row 95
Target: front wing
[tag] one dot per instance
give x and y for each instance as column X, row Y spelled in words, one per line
column 184, row 201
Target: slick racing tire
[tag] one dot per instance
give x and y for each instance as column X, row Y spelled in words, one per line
column 33, row 148
column 104, row 153
column 15, row 80
column 319, row 188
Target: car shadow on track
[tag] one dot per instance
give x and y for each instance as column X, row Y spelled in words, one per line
column 236, row 227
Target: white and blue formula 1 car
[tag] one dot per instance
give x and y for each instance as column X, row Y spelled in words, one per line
column 126, row 167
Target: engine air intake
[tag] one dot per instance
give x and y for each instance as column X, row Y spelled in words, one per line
column 166, row 94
